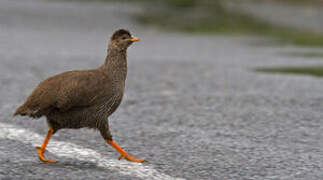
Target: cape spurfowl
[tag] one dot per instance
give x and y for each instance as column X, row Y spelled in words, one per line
column 83, row 98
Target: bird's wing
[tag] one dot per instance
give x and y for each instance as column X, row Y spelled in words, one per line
column 79, row 89
column 63, row 91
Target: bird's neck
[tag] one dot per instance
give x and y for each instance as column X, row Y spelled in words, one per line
column 116, row 63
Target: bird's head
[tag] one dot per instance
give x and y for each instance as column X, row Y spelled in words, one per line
column 122, row 39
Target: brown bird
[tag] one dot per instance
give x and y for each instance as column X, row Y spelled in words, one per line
column 83, row 98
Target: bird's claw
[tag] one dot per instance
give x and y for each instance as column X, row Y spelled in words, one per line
column 130, row 158
column 41, row 156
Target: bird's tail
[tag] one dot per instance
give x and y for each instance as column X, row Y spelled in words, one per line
column 25, row 111
column 21, row 110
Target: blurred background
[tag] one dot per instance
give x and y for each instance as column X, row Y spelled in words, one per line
column 216, row 89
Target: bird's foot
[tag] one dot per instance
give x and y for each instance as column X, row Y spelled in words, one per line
column 41, row 156
column 123, row 153
column 130, row 158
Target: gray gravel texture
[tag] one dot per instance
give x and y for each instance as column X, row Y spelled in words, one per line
column 193, row 106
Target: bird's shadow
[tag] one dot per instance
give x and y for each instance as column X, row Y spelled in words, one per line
column 27, row 157
column 72, row 163
column 65, row 162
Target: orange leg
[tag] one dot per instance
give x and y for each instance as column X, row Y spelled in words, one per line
column 41, row 150
column 123, row 153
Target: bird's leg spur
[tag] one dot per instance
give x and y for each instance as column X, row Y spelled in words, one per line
column 41, row 149
column 123, row 153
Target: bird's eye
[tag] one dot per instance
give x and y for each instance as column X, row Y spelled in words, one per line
column 124, row 38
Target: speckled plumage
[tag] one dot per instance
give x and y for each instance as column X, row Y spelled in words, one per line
column 83, row 98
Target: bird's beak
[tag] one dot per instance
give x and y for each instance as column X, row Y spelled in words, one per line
column 134, row 39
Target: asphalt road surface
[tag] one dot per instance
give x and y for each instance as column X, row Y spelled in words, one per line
column 193, row 106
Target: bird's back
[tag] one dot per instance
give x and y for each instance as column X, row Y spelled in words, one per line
column 65, row 91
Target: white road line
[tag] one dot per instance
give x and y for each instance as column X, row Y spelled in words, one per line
column 70, row 150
